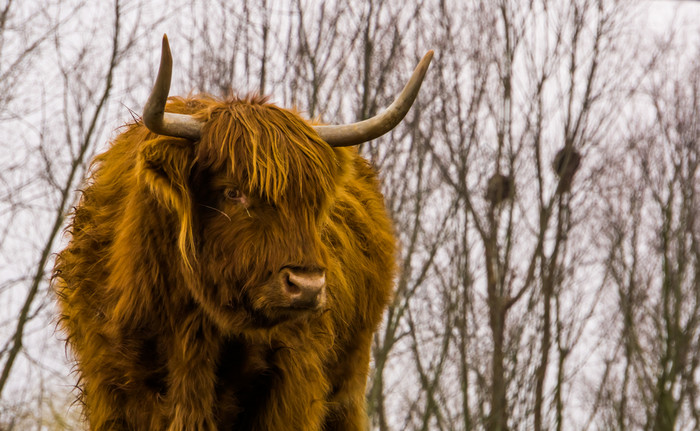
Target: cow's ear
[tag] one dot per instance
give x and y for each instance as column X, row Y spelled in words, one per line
column 164, row 166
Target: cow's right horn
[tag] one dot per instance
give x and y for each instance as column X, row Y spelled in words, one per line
column 154, row 115
column 356, row 133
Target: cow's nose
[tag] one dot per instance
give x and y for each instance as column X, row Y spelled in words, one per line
column 305, row 289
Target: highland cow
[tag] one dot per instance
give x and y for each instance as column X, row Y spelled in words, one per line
column 228, row 264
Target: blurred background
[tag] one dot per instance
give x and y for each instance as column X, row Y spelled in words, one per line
column 545, row 189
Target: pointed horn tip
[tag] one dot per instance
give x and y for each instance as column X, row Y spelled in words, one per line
column 427, row 58
column 165, row 49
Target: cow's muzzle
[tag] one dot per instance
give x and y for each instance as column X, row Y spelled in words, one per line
column 304, row 289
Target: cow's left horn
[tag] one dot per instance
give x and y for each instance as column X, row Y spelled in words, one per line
column 356, row 133
column 154, row 115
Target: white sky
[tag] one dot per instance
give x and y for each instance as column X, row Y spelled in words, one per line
column 664, row 14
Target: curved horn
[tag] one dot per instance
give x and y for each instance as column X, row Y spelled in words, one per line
column 356, row 133
column 154, row 115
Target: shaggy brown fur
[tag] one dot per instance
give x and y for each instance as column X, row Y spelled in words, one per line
column 167, row 288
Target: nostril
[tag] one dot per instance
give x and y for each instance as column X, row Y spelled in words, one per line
column 292, row 288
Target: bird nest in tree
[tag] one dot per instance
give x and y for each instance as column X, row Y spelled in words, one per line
column 565, row 164
column 500, row 188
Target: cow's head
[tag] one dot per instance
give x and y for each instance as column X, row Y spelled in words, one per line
column 252, row 186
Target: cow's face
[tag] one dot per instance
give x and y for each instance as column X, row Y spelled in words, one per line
column 260, row 184
column 252, row 195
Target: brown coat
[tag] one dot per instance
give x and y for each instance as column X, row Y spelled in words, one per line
column 168, row 288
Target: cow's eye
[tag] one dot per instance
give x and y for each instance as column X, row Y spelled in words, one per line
column 233, row 194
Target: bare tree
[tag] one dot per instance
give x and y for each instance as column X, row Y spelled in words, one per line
column 514, row 144
column 654, row 261
column 57, row 138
